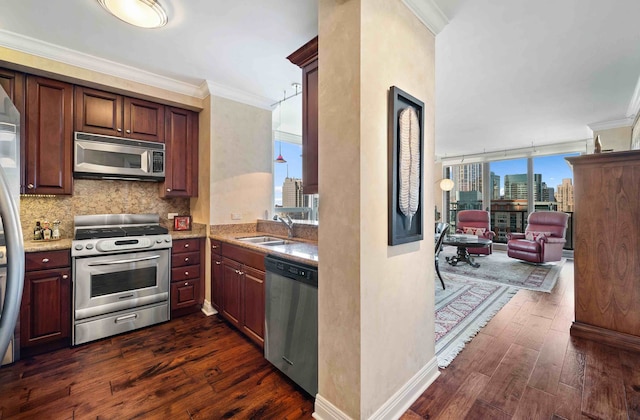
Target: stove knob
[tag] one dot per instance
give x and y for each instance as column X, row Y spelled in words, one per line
column 167, row 240
column 79, row 247
column 89, row 246
column 158, row 241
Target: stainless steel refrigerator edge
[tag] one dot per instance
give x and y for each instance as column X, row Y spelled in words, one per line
column 11, row 241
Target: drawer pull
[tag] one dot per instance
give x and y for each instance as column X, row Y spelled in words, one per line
column 186, row 273
column 64, row 277
column 218, row 263
column 186, row 245
column 186, row 259
column 45, row 260
column 240, row 272
column 186, row 284
column 129, row 317
column 214, row 246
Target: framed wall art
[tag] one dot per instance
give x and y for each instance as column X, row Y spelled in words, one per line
column 406, row 167
column 182, row 223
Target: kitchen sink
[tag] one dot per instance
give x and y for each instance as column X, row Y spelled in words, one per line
column 267, row 240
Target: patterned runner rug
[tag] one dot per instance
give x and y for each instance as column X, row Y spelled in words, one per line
column 462, row 309
column 499, row 268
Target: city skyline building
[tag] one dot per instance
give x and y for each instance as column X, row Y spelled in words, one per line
column 292, row 192
column 564, row 196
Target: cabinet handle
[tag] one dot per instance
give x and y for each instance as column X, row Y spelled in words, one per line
column 218, row 263
column 30, row 186
column 119, row 130
column 186, row 283
column 45, row 260
column 214, row 246
column 186, row 259
column 237, row 272
column 186, row 245
column 240, row 272
column 128, row 131
column 186, row 273
column 64, row 277
column 168, row 189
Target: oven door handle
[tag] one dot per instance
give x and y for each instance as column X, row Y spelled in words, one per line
column 154, row 257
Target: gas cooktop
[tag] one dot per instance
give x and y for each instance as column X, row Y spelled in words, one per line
column 119, row 231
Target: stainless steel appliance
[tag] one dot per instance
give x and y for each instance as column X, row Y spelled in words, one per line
column 106, row 157
column 291, row 320
column 120, row 270
column 11, row 242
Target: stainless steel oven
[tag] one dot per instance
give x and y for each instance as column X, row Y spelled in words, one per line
column 120, row 282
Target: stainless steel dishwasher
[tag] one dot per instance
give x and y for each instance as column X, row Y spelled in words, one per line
column 291, row 318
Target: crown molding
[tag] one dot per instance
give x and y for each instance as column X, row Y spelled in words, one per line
column 216, row 89
column 428, row 12
column 64, row 55
column 608, row 125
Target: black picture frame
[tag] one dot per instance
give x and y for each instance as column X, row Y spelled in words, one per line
column 398, row 232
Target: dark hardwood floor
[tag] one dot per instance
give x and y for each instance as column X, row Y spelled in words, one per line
column 522, row 365
column 525, row 365
column 194, row 367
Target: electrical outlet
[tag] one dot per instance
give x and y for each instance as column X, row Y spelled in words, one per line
column 170, row 216
column 236, row 216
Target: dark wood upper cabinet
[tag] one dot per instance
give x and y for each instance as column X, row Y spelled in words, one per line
column 306, row 57
column 181, row 142
column 48, row 136
column 100, row 112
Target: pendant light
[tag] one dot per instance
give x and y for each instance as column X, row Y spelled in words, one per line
column 280, row 159
column 142, row 13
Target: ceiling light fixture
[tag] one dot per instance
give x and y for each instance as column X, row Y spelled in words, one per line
column 142, row 13
column 280, row 159
column 446, row 184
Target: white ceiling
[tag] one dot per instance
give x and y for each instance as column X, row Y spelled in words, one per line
column 508, row 73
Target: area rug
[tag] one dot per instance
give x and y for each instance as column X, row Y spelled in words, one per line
column 462, row 309
column 500, row 268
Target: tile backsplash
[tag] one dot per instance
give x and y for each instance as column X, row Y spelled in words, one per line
column 97, row 197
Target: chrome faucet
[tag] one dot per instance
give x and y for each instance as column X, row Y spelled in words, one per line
column 288, row 223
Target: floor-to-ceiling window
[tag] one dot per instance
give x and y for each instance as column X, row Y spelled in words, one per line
column 509, row 180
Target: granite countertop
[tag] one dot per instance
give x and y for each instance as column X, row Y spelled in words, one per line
column 198, row 230
column 303, row 251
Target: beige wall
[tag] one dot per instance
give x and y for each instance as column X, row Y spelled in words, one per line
column 241, row 163
column 376, row 302
column 618, row 139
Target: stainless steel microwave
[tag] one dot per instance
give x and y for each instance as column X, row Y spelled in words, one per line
column 107, row 157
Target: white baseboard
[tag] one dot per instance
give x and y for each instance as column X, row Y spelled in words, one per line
column 207, row 309
column 395, row 406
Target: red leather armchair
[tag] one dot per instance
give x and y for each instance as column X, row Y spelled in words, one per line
column 476, row 222
column 543, row 239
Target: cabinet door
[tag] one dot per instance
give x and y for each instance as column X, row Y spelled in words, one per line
column 45, row 314
column 49, row 136
column 184, row 294
column 143, row 120
column 13, row 84
column 216, row 282
column 253, row 319
column 98, row 112
column 310, row 128
column 181, row 172
column 231, row 292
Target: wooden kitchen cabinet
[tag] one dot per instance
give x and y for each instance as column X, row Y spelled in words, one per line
column 216, row 274
column 48, row 138
column 306, row 57
column 242, row 290
column 181, row 142
column 45, row 312
column 100, row 112
column 187, row 279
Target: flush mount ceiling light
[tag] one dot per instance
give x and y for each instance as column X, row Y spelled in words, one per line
column 142, row 13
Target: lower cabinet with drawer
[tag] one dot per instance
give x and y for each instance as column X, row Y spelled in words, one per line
column 237, row 284
column 187, row 291
column 45, row 312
